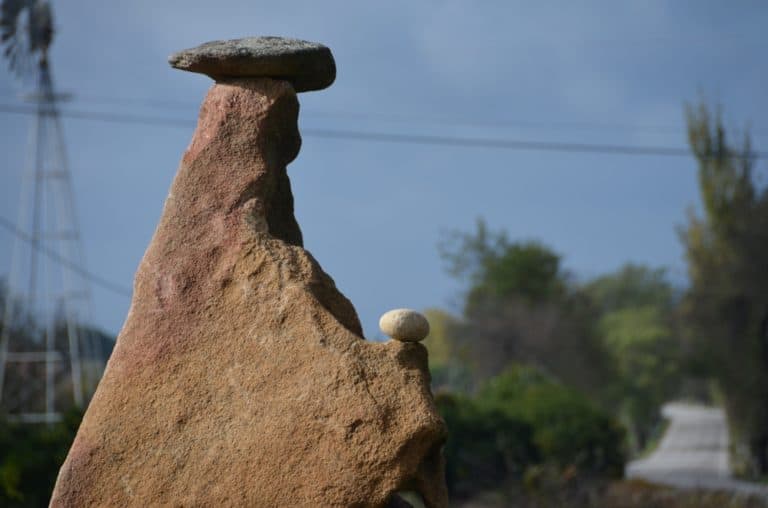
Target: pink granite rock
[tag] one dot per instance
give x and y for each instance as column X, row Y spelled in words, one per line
column 241, row 377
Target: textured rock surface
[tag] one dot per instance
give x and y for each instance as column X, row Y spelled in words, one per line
column 307, row 65
column 241, row 377
column 405, row 325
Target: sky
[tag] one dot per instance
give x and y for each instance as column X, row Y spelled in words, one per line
column 373, row 213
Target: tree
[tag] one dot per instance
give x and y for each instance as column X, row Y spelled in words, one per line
column 637, row 307
column 485, row 447
column 632, row 286
column 31, row 454
column 521, row 307
column 523, row 423
column 568, row 429
column 726, row 307
column 498, row 269
column 449, row 360
column 21, row 388
column 646, row 353
column 30, row 457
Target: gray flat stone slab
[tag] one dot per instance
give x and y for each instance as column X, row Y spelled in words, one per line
column 306, row 65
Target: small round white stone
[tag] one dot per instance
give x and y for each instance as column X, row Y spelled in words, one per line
column 404, row 325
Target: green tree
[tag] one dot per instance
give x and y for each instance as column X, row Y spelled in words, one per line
column 637, row 306
column 498, row 269
column 726, row 307
column 632, row 286
column 569, row 430
column 30, row 457
column 646, row 354
column 31, row 454
column 485, row 447
column 521, row 424
column 520, row 306
column 449, row 360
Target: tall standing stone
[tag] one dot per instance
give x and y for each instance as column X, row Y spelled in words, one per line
column 241, row 376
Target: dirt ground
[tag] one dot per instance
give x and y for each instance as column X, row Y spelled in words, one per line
column 620, row 494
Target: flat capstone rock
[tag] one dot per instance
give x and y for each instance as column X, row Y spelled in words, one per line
column 306, row 65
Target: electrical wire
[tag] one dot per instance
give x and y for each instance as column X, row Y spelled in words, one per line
column 415, row 139
column 404, row 118
column 509, row 144
column 100, row 281
column 546, row 146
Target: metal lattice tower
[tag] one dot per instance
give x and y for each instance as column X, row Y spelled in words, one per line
column 49, row 357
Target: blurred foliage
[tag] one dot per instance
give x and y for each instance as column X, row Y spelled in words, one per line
column 449, row 360
column 725, row 310
column 568, row 429
column 535, row 351
column 638, row 328
column 548, row 384
column 30, row 457
column 522, row 424
column 31, row 454
column 613, row 338
column 499, row 269
column 632, row 286
column 520, row 306
column 485, row 448
column 646, row 354
column 23, row 387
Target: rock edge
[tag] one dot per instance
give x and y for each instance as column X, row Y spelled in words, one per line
column 306, row 65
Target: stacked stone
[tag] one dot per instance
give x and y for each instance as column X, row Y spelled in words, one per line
column 241, row 376
column 306, row 65
column 404, row 325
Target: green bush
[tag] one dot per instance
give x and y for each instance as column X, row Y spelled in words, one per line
column 568, row 429
column 522, row 423
column 484, row 448
column 30, row 457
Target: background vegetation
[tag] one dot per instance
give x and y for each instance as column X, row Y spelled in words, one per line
column 32, row 455
column 544, row 378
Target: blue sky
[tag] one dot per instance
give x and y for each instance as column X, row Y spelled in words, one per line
column 373, row 213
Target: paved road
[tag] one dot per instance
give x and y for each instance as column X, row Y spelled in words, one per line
column 693, row 453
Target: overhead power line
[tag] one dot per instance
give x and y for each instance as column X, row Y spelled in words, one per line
column 414, row 139
column 560, row 125
column 410, row 118
column 124, row 291
column 509, row 144
column 100, row 281
column 102, row 117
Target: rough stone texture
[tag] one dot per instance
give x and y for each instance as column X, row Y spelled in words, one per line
column 307, row 65
column 405, row 325
column 241, row 377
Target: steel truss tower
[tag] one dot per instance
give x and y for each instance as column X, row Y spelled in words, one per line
column 49, row 358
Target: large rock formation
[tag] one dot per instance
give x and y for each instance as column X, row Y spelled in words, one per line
column 241, row 376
